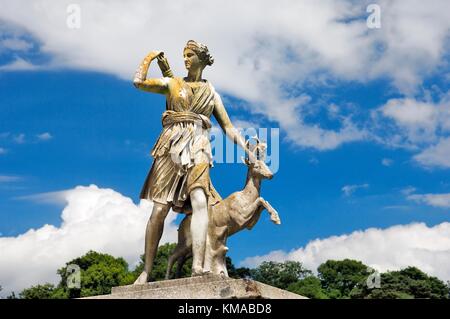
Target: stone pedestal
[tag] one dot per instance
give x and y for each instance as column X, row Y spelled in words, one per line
column 204, row 287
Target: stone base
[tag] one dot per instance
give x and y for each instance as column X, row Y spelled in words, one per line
column 203, row 287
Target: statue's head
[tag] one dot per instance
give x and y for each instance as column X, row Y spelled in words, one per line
column 196, row 55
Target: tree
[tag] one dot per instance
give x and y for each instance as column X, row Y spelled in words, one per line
column 408, row 283
column 339, row 277
column 234, row 272
column 38, row 292
column 12, row 296
column 310, row 287
column 99, row 273
column 279, row 275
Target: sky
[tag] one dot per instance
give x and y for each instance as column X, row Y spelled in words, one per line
column 361, row 160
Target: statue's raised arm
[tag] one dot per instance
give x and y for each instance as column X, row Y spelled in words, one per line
column 154, row 85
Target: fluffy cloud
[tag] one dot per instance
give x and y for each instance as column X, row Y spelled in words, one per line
column 435, row 200
column 281, row 49
column 419, row 119
column 393, row 248
column 15, row 44
column 436, row 155
column 420, row 125
column 93, row 218
column 19, row 65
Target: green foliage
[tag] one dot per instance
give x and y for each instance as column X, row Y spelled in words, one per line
column 99, row 273
column 408, row 283
column 236, row 273
column 336, row 279
column 310, row 287
column 279, row 275
column 340, row 277
column 38, row 292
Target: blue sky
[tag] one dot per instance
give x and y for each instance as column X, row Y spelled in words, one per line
column 66, row 122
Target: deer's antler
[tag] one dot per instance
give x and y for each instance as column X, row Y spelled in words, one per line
column 259, row 149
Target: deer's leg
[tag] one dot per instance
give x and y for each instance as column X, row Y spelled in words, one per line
column 273, row 213
column 179, row 251
column 246, row 214
column 180, row 264
column 254, row 208
column 252, row 222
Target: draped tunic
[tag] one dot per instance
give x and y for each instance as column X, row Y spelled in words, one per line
column 182, row 154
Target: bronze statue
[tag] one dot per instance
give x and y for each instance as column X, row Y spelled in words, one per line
column 179, row 176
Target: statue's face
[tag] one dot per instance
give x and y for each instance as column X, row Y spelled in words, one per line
column 191, row 60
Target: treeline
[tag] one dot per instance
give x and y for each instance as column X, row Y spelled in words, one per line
column 342, row 279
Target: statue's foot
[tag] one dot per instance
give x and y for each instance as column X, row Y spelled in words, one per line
column 142, row 279
column 198, row 271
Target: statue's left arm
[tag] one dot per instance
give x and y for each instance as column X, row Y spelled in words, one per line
column 221, row 115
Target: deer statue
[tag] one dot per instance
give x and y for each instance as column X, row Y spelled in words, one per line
column 240, row 210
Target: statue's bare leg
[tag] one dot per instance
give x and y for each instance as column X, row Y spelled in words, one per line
column 153, row 234
column 199, row 229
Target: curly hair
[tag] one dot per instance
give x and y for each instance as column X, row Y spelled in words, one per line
column 201, row 50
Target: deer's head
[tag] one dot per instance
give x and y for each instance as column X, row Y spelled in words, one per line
column 259, row 168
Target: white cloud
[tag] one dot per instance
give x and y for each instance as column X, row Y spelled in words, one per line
column 9, row 178
column 435, row 200
column 408, row 190
column 94, row 218
column 418, row 119
column 243, row 124
column 15, row 44
column 393, row 248
column 422, row 126
column 58, row 197
column 387, row 162
column 279, row 49
column 44, row 136
column 19, row 65
column 19, row 139
column 348, row 190
column 436, row 155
